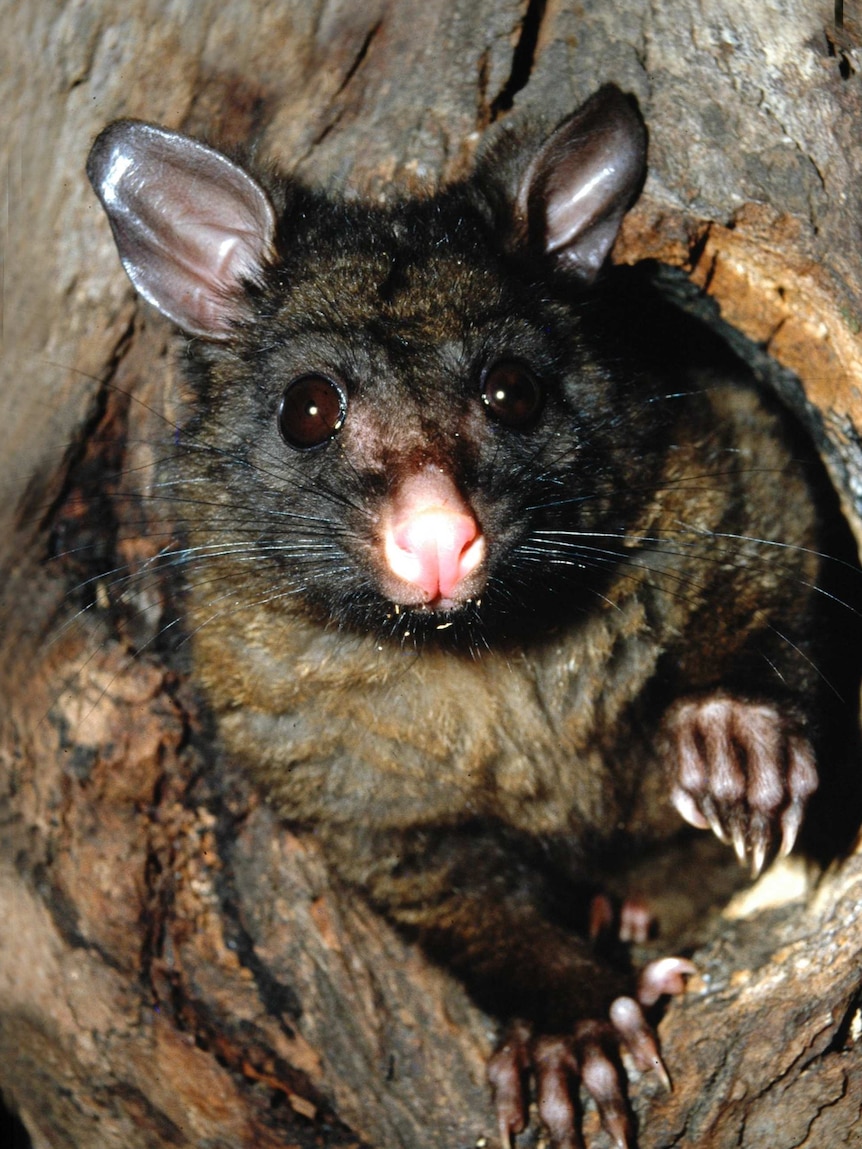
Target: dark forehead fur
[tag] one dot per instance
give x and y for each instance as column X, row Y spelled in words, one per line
column 408, row 274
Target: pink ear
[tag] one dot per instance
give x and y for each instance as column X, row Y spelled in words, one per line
column 190, row 225
column 578, row 187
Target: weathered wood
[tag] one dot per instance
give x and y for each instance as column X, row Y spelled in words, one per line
column 175, row 968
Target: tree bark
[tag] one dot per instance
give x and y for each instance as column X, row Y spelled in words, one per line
column 175, row 967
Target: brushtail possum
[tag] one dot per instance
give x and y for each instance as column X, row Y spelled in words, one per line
column 480, row 592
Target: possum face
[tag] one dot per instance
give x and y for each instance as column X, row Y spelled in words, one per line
column 410, row 423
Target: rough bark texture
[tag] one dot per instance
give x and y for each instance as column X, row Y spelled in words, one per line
column 175, row 968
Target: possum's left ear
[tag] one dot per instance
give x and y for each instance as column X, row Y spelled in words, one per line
column 576, row 189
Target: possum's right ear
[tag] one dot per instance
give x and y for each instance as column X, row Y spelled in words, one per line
column 190, row 225
column 567, row 200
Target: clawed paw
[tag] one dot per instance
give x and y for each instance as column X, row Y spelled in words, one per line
column 591, row 1054
column 742, row 769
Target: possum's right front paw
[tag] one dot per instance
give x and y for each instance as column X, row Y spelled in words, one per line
column 742, row 769
column 589, row 1055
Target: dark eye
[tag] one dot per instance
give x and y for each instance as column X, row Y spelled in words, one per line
column 512, row 394
column 311, row 410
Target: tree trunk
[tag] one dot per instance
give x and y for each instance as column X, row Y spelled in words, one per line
column 175, row 967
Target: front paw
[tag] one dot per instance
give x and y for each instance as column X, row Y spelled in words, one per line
column 741, row 768
column 590, row 1054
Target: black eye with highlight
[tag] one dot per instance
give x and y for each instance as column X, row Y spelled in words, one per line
column 512, row 393
column 311, row 411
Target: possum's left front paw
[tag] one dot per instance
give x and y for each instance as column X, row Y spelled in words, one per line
column 741, row 768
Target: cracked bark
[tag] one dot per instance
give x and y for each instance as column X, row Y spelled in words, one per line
column 523, row 59
column 175, row 969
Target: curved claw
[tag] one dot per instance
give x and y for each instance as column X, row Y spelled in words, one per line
column 740, row 847
column 801, row 784
column 667, row 976
column 505, row 1072
column 688, row 809
column 556, row 1067
column 602, row 1076
column 713, row 820
column 760, row 842
column 637, row 1036
column 791, row 820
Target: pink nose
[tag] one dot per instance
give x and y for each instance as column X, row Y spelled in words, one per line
column 435, row 550
column 431, row 540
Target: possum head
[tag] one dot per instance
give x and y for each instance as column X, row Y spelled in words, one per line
column 402, row 411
